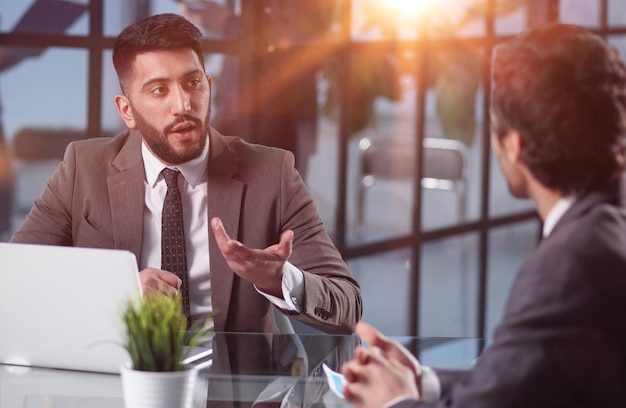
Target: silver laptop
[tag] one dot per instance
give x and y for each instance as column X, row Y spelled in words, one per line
column 61, row 307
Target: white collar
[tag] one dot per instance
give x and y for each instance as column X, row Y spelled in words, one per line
column 193, row 170
column 555, row 214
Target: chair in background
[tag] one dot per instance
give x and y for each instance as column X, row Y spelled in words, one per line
column 445, row 168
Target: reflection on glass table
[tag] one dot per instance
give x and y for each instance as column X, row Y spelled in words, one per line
column 247, row 369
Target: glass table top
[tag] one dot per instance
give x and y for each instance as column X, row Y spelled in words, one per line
column 243, row 370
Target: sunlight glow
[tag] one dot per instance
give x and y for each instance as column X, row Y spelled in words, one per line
column 409, row 6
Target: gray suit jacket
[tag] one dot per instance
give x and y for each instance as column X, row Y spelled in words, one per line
column 96, row 199
column 562, row 340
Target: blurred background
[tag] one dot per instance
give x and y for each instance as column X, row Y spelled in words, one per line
column 383, row 102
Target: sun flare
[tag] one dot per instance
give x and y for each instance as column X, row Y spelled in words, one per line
column 408, row 6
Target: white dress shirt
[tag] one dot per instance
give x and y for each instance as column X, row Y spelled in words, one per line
column 195, row 196
column 555, row 214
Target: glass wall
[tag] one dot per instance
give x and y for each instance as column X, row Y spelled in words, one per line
column 383, row 102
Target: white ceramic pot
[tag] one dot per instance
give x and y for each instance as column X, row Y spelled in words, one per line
column 151, row 389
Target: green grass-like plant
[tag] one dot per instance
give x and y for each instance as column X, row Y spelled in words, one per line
column 156, row 335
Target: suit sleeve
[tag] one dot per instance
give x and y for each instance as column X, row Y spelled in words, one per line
column 332, row 299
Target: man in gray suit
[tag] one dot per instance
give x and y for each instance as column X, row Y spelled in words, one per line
column 559, row 122
column 236, row 197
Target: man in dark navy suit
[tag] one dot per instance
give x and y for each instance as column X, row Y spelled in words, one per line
column 559, row 121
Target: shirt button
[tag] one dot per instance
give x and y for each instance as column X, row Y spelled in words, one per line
column 294, row 300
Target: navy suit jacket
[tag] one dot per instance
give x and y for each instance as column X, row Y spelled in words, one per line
column 562, row 340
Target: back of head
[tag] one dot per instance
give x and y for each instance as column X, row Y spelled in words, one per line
column 162, row 32
column 564, row 90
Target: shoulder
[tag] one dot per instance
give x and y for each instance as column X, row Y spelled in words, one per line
column 233, row 155
column 599, row 231
column 577, row 259
column 241, row 147
column 100, row 151
column 107, row 143
column 104, row 154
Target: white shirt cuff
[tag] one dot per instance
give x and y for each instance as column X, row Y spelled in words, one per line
column 292, row 287
column 431, row 386
column 395, row 401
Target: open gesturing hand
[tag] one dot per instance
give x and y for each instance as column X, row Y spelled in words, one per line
column 261, row 267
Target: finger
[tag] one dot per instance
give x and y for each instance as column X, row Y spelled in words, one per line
column 354, row 370
column 228, row 246
column 357, row 394
column 373, row 355
column 372, row 336
column 361, row 355
column 157, row 280
column 154, row 287
column 168, row 290
column 285, row 245
column 286, row 241
column 170, row 279
column 280, row 251
column 348, row 370
column 218, row 230
column 349, row 393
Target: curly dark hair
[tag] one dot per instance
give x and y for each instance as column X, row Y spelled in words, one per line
column 564, row 90
column 160, row 32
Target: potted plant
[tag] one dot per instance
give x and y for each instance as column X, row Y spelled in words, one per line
column 157, row 340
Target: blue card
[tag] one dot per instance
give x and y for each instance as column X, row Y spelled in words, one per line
column 336, row 381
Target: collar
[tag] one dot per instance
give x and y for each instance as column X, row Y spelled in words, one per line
column 193, row 170
column 556, row 212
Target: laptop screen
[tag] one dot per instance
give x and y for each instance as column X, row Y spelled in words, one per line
column 62, row 307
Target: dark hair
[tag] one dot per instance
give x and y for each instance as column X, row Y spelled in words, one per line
column 159, row 32
column 564, row 90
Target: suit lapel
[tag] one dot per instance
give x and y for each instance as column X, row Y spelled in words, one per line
column 224, row 201
column 126, row 193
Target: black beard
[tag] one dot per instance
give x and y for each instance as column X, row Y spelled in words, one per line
column 157, row 141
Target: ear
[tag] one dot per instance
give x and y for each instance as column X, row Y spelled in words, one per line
column 512, row 144
column 208, row 77
column 125, row 110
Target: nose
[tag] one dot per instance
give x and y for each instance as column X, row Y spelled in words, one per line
column 181, row 104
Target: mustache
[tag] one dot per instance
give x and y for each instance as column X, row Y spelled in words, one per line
column 181, row 119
